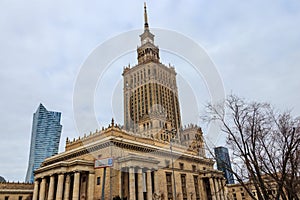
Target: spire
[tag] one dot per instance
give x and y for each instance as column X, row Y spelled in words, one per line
column 147, row 51
column 146, row 26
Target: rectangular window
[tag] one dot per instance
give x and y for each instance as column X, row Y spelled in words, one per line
column 196, row 184
column 194, row 168
column 169, row 186
column 181, row 165
column 98, row 180
column 183, row 186
column 20, row 197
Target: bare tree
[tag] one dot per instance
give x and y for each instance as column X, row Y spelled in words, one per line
column 265, row 146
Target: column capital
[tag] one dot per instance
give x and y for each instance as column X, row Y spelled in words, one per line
column 49, row 175
column 131, row 169
column 140, row 170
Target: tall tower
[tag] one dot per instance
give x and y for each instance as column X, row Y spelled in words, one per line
column 223, row 163
column 45, row 137
column 150, row 91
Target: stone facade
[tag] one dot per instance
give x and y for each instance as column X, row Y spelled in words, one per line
column 153, row 156
column 238, row 192
column 141, row 168
column 16, row 191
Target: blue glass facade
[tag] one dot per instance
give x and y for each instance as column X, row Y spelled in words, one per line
column 223, row 163
column 45, row 137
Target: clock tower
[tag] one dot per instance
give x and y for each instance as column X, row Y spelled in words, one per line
column 151, row 105
column 147, row 52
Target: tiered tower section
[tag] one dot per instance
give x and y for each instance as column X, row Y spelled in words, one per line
column 150, row 91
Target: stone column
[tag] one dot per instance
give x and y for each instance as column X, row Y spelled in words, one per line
column 60, row 187
column 222, row 182
column 76, row 186
column 149, row 185
column 202, row 189
column 131, row 184
column 36, row 190
column 217, row 189
column 67, row 187
column 91, row 186
column 212, row 188
column 220, row 188
column 120, row 183
column 43, row 189
column 156, row 186
column 51, row 188
column 140, row 184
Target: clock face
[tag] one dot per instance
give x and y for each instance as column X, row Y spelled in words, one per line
column 147, row 40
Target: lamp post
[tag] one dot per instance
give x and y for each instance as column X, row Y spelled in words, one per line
column 171, row 134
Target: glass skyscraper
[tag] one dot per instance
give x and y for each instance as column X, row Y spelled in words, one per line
column 223, row 163
column 45, row 137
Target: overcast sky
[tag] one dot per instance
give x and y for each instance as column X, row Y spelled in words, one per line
column 255, row 46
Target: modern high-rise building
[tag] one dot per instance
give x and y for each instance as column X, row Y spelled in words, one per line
column 45, row 137
column 223, row 163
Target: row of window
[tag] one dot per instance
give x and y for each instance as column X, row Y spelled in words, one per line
column 142, row 75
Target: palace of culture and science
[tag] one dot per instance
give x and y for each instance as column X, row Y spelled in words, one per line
column 149, row 157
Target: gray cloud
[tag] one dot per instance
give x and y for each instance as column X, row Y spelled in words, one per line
column 255, row 46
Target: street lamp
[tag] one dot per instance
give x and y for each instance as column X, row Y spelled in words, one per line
column 171, row 135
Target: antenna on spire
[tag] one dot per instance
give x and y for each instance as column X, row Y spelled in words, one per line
column 145, row 16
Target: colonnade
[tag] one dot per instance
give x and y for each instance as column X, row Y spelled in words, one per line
column 137, row 182
column 141, row 184
column 217, row 188
column 65, row 186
